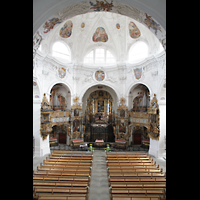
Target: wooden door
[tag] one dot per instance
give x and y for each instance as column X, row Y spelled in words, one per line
column 137, row 138
column 62, row 138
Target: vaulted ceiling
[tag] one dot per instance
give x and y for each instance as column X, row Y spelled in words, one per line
column 118, row 43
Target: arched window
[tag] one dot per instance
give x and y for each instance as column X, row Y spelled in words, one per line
column 138, row 52
column 60, row 50
column 99, row 56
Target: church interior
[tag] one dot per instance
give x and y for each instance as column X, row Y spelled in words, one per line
column 99, row 99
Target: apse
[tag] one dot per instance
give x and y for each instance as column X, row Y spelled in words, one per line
column 108, row 89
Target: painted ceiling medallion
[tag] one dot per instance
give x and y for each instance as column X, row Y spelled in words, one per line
column 100, row 35
column 82, row 25
column 61, row 72
column 66, row 30
column 138, row 73
column 99, row 75
column 118, row 26
column 134, row 31
column 34, row 83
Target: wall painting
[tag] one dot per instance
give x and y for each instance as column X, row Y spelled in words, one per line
column 82, row 25
column 152, row 24
column 66, row 30
column 99, row 75
column 50, row 24
column 100, row 35
column 118, row 26
column 134, row 31
column 138, row 73
column 61, row 72
column 100, row 5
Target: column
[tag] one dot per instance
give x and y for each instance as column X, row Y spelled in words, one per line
column 41, row 147
column 157, row 147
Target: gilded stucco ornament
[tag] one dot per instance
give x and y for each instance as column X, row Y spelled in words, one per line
column 153, row 127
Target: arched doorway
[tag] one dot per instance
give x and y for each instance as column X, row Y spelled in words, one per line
column 137, row 137
column 60, row 133
column 62, row 138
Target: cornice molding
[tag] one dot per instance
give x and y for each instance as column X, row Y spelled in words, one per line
column 148, row 64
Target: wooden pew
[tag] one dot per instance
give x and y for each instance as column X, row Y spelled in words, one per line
column 134, row 170
column 130, row 161
column 133, row 167
column 71, row 164
column 145, row 191
column 60, row 196
column 137, row 191
column 49, row 173
column 130, row 164
column 60, row 184
column 127, row 158
column 63, row 175
column 71, row 155
column 134, row 176
column 73, row 152
column 118, row 154
column 67, row 160
column 54, row 169
column 69, row 197
column 138, row 198
column 138, row 179
column 61, row 179
column 65, row 166
column 58, row 190
column 138, row 185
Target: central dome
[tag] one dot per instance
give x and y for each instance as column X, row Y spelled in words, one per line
column 101, row 38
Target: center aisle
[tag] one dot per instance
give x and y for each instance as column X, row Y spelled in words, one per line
column 99, row 181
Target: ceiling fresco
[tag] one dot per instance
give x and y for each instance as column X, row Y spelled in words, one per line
column 100, row 35
column 134, row 32
column 66, row 30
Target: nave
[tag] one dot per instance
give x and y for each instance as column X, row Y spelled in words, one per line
column 99, row 175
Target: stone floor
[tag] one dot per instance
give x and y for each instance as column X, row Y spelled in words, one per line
column 99, row 182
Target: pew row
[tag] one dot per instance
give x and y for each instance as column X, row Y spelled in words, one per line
column 63, row 175
column 135, row 176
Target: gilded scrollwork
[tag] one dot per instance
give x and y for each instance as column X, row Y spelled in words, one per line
column 153, row 127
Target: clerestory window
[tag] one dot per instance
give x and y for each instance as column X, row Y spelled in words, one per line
column 60, row 50
column 99, row 56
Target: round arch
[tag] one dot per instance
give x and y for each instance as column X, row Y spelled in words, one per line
column 59, row 82
column 87, row 91
column 134, row 85
column 66, row 86
column 63, row 43
column 132, row 46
